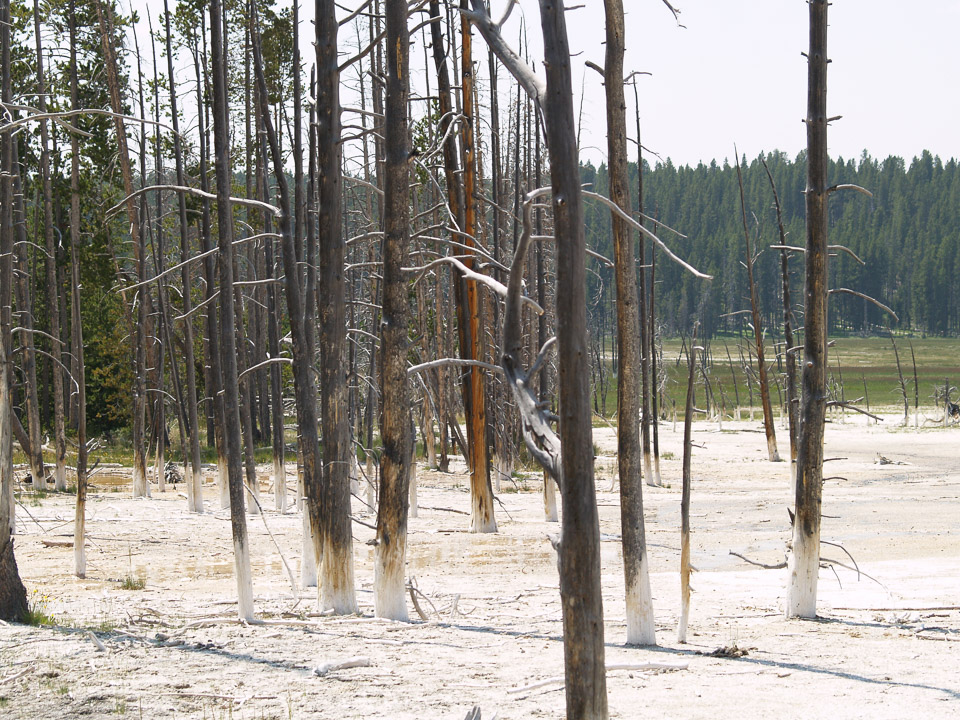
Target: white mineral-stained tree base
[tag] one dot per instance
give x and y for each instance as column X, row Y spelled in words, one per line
column 414, row 510
column 804, row 569
column 641, row 628
column 79, row 551
column 241, row 566
column 222, row 484
column 648, row 470
column 308, row 559
column 684, row 617
column 60, row 478
column 772, row 451
column 341, row 600
column 354, row 475
column 252, row 498
column 196, row 477
column 279, row 480
column 481, row 522
column 141, row 487
column 371, row 489
column 550, row 500
column 389, row 593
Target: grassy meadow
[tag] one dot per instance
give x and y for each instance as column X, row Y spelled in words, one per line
column 862, row 367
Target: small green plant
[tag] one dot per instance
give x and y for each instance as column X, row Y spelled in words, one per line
column 133, row 582
column 120, row 706
column 668, row 456
column 38, row 612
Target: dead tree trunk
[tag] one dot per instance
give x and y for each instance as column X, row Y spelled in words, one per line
column 28, row 366
column 212, row 345
column 395, row 425
column 194, row 478
column 304, row 387
column 336, row 577
column 228, row 337
column 79, row 523
column 768, row 421
column 579, row 546
column 138, row 329
column 643, row 326
column 685, row 567
column 79, row 526
column 481, row 494
column 13, row 595
column 640, row 623
column 793, row 406
column 52, row 276
column 804, row 563
column 586, row 687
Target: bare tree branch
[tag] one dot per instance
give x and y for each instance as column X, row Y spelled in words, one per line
column 868, row 298
column 615, row 208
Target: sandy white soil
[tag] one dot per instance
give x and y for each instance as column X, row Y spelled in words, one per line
column 887, row 644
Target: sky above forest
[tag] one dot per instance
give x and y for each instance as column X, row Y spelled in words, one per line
column 734, row 73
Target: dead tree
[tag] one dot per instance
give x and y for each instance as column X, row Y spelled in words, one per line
column 13, row 595
column 804, row 563
column 579, row 546
column 212, row 358
column 228, row 338
column 768, row 421
column 481, row 495
column 916, row 388
column 138, row 329
column 336, row 577
column 685, row 567
column 793, row 407
column 28, row 366
column 194, row 479
column 341, row 597
column 901, row 383
column 76, row 320
column 645, row 326
column 641, row 629
column 52, row 276
column 395, row 425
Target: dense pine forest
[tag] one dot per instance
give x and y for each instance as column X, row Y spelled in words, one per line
column 907, row 234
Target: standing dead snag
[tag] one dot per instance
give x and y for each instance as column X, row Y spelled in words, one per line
column 685, row 496
column 641, row 629
column 586, row 685
column 228, row 338
column 13, row 595
column 804, row 563
column 579, row 551
column 336, row 575
column 52, row 276
column 194, row 478
column 768, row 422
column 138, row 329
column 790, row 356
column 395, row 425
column 481, row 495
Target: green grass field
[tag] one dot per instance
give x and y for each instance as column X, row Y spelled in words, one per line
column 858, row 361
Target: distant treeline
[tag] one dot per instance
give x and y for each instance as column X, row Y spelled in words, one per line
column 908, row 235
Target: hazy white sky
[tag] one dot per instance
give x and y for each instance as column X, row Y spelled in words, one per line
column 735, row 74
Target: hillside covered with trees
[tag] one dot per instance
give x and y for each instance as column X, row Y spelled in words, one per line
column 907, row 234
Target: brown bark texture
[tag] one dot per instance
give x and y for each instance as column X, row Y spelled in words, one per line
column 585, row 670
column 395, row 425
column 809, row 477
column 628, row 317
